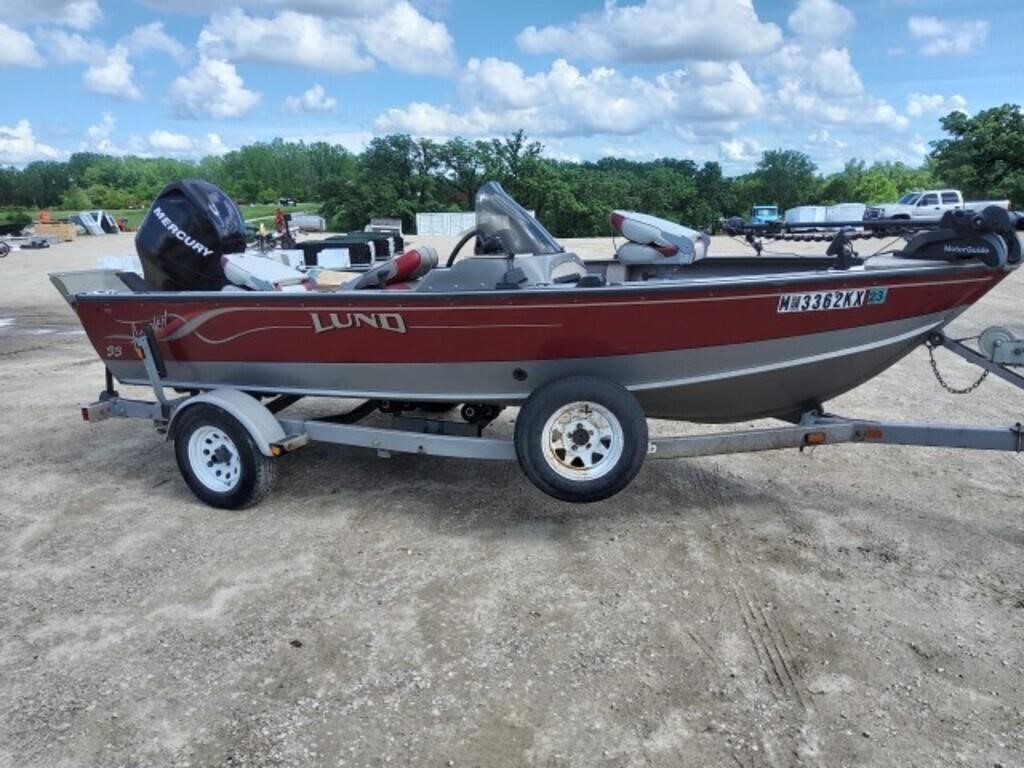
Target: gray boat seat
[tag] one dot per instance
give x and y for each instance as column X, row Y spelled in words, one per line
column 654, row 241
column 258, row 273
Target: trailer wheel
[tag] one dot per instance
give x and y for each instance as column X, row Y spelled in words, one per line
column 219, row 460
column 581, row 439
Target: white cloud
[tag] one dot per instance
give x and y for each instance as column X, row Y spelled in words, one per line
column 953, row 37
column 18, row 145
column 112, row 76
column 820, row 86
column 214, row 145
column 407, row 41
column 346, row 38
column 800, row 104
column 565, row 101
column 288, row 38
column 822, row 138
column 311, row 101
column 164, row 142
column 99, row 135
column 740, row 150
column 151, row 37
column 102, row 130
column 828, row 71
column 346, row 8
column 109, row 71
column 919, row 104
column 833, row 73
column 354, row 141
column 658, row 30
column 213, row 87
column 918, row 146
column 821, row 18
column 17, row 49
column 80, row 14
column 66, row 47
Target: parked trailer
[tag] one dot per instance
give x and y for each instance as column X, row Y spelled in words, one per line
column 808, row 215
column 227, row 441
column 842, row 212
column 448, row 224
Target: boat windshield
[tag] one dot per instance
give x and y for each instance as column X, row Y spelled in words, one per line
column 910, row 198
column 765, row 210
column 505, row 226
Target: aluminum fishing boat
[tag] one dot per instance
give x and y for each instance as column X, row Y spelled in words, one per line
column 669, row 329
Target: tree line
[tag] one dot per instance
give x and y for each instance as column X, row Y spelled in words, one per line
column 399, row 175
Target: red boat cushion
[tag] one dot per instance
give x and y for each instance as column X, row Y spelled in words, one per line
column 411, row 265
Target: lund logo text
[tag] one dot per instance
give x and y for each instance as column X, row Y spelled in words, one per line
column 340, row 321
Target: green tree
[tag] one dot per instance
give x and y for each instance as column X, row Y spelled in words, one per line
column 75, row 199
column 786, row 178
column 984, row 154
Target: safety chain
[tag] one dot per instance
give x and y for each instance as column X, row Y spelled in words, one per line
column 945, row 385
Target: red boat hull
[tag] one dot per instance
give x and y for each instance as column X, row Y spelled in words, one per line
column 727, row 351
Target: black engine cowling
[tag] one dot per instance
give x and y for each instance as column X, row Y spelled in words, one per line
column 191, row 224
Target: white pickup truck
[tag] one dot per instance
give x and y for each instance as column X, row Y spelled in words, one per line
column 928, row 204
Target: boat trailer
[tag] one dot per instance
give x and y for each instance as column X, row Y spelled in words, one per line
column 999, row 351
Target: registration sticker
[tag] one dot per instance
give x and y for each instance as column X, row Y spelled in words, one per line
column 820, row 301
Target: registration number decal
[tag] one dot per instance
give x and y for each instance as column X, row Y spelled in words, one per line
column 820, row 301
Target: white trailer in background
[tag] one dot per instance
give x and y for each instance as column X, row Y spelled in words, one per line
column 824, row 215
column 445, row 223
column 845, row 212
column 806, row 214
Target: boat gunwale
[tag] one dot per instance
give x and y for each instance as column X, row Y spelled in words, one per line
column 569, row 291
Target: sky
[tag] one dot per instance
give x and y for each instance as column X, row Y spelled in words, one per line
column 717, row 80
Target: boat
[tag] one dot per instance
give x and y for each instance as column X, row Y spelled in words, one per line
column 661, row 329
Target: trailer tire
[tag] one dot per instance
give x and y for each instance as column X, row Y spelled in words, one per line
column 601, row 453
column 219, row 459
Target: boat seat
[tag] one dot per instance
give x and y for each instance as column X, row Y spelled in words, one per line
column 551, row 268
column 258, row 273
column 405, row 268
column 654, row 241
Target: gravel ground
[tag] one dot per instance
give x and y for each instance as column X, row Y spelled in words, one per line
column 841, row 607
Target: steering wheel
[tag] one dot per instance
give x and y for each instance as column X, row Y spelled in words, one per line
column 458, row 246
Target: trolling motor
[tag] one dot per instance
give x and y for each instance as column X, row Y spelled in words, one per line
column 988, row 236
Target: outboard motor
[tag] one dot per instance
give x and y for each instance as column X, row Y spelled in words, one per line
column 190, row 226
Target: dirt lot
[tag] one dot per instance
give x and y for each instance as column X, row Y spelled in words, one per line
column 839, row 607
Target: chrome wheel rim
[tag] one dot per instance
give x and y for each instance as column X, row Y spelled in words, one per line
column 214, row 459
column 582, row 441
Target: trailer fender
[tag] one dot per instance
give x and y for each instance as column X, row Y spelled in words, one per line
column 260, row 423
